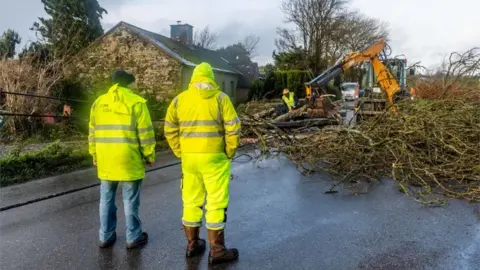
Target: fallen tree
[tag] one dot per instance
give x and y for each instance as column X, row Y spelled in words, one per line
column 431, row 149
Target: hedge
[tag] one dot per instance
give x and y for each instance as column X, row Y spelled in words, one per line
column 294, row 80
column 17, row 167
column 54, row 159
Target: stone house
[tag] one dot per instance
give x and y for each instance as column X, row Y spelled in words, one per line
column 162, row 65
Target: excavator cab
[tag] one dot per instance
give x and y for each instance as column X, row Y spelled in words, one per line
column 397, row 67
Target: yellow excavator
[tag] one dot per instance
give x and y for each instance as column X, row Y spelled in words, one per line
column 393, row 88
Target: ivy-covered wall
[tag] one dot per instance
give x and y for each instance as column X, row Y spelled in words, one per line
column 158, row 75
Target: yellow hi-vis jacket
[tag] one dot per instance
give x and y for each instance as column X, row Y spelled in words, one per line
column 121, row 136
column 290, row 100
column 202, row 119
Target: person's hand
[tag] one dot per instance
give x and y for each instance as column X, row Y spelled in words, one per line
column 95, row 163
column 150, row 164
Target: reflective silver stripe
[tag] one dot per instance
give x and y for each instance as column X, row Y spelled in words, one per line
column 220, row 98
column 115, row 140
column 147, row 129
column 236, row 132
column 198, row 123
column 169, row 124
column 91, row 130
column 232, row 122
column 220, row 225
column 91, row 139
column 147, row 141
column 192, row 224
column 222, row 95
column 175, row 102
column 201, row 134
column 171, row 133
column 133, row 117
column 115, row 127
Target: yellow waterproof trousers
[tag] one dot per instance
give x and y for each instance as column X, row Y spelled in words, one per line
column 205, row 173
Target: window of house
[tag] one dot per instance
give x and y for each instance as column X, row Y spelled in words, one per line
column 232, row 86
column 223, row 86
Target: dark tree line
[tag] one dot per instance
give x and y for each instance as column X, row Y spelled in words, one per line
column 71, row 25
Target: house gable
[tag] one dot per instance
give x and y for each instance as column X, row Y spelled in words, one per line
column 157, row 72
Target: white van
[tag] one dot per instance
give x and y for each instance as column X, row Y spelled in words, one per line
column 350, row 90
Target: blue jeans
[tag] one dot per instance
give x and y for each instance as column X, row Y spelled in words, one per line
column 108, row 209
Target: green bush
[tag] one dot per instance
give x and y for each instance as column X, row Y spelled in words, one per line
column 257, row 90
column 17, row 167
column 52, row 160
column 293, row 80
column 276, row 81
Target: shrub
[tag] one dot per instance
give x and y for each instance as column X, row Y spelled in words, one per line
column 51, row 160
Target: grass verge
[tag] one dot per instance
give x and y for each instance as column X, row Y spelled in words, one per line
column 17, row 167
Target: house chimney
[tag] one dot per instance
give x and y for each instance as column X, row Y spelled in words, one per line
column 182, row 33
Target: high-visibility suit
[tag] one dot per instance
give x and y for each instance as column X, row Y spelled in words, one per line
column 289, row 99
column 121, row 136
column 203, row 129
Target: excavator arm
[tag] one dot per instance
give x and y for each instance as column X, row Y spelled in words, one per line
column 387, row 81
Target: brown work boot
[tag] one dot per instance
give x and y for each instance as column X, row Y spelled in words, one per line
column 195, row 245
column 218, row 252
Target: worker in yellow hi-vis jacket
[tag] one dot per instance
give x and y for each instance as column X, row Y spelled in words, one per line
column 121, row 140
column 203, row 129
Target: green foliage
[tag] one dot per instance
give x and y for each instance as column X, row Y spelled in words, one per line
column 8, row 42
column 293, row 80
column 276, row 81
column 65, row 130
column 290, row 60
column 268, row 68
column 37, row 52
column 235, row 54
column 54, row 159
column 72, row 25
column 17, row 167
column 256, row 90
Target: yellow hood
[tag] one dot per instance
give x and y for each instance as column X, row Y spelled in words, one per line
column 123, row 99
column 203, row 81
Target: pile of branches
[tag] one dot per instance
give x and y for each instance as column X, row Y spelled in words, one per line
column 430, row 148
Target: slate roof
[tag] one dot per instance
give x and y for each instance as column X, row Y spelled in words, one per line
column 190, row 56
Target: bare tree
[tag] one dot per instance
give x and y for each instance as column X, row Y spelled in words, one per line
column 250, row 43
column 361, row 31
column 457, row 77
column 205, row 38
column 324, row 30
column 314, row 22
column 463, row 69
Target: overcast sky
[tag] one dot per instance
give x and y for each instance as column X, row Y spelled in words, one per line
column 423, row 30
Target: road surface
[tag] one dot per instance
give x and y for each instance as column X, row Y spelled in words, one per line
column 278, row 219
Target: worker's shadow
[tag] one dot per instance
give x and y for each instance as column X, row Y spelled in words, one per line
column 193, row 263
column 106, row 259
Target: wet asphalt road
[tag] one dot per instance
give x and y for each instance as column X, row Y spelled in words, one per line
column 277, row 219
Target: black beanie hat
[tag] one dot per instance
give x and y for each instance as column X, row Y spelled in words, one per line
column 122, row 77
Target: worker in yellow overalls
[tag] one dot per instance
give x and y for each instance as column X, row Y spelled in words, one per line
column 203, row 129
